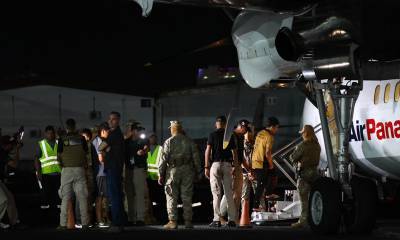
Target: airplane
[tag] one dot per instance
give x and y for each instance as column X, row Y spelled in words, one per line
column 338, row 50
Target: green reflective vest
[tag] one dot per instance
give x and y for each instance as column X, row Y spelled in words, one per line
column 152, row 163
column 48, row 160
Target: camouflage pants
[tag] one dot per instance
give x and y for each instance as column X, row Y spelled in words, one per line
column 304, row 188
column 179, row 182
column 248, row 186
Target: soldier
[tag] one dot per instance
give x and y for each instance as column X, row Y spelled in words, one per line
column 179, row 165
column 72, row 150
column 306, row 159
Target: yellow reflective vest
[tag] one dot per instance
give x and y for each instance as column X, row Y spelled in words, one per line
column 48, row 161
column 152, row 163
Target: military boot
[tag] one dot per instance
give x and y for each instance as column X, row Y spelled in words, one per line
column 188, row 224
column 299, row 225
column 171, row 225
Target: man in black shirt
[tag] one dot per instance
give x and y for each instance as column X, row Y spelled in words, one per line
column 240, row 130
column 136, row 150
column 114, row 160
column 219, row 170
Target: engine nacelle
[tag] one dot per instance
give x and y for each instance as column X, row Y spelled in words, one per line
column 254, row 36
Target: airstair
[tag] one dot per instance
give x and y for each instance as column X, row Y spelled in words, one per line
column 287, row 207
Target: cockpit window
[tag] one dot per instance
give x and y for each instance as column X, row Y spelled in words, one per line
column 387, row 93
column 397, row 92
column 377, row 93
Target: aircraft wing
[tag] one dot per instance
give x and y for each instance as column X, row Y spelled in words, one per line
column 281, row 6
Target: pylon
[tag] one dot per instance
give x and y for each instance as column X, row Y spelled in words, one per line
column 70, row 215
column 245, row 216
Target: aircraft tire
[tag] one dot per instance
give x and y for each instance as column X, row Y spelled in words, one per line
column 360, row 215
column 325, row 206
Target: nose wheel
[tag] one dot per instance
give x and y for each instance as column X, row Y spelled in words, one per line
column 324, row 206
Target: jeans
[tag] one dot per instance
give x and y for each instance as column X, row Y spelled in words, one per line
column 115, row 196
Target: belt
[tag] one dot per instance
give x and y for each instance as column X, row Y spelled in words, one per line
column 223, row 160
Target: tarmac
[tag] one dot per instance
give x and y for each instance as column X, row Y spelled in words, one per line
column 386, row 229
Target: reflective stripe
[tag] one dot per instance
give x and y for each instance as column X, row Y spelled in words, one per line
column 152, row 159
column 152, row 165
column 47, row 159
column 49, row 164
column 44, row 149
column 152, row 170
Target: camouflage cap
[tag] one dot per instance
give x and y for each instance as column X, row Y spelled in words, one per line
column 175, row 123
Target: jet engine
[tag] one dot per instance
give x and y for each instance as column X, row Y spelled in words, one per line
column 254, row 36
column 270, row 47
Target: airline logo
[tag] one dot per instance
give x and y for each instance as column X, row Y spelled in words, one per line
column 375, row 130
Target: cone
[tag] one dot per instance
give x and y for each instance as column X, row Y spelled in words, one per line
column 70, row 215
column 245, row 217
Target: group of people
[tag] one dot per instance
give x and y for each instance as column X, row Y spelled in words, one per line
column 108, row 169
column 244, row 165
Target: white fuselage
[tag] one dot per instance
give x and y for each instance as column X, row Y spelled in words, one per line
column 375, row 135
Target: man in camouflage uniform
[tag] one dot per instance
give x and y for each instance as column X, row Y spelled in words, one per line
column 306, row 160
column 179, row 165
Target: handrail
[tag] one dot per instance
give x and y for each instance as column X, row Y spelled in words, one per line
column 288, row 148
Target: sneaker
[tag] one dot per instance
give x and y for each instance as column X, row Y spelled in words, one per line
column 230, row 224
column 44, row 207
column 103, row 225
column 4, row 226
column 78, row 225
column 215, row 224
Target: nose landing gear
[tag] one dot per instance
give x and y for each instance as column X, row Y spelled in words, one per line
column 340, row 198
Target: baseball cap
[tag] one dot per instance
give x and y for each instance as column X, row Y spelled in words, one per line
column 244, row 123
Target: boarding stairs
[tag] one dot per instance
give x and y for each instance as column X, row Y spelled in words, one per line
column 287, row 207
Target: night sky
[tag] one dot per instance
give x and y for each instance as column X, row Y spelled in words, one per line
column 104, row 45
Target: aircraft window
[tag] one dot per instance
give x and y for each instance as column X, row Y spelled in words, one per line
column 377, row 93
column 397, row 92
column 387, row 92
